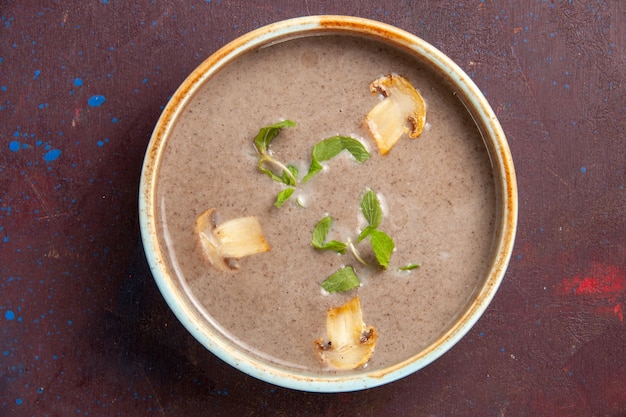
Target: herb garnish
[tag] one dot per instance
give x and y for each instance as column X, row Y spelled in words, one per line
column 331, row 147
column 288, row 174
column 382, row 244
column 283, row 196
column 409, row 267
column 262, row 143
column 344, row 279
column 319, row 237
column 370, row 207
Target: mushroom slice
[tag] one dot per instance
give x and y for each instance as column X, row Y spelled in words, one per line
column 350, row 342
column 232, row 239
column 401, row 111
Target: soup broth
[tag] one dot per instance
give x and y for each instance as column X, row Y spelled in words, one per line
column 437, row 191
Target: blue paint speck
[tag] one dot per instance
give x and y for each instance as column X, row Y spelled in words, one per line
column 3, row 88
column 583, row 169
column 37, row 73
column 14, row 146
column 95, row 101
column 18, row 401
column 78, row 82
column 9, row 315
column 6, row 239
column 114, row 120
column 52, row 155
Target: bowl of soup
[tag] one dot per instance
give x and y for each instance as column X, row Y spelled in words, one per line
column 328, row 203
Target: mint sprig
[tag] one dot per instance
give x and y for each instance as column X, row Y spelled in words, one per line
column 331, row 147
column 344, row 279
column 409, row 267
column 319, row 237
column 373, row 213
column 288, row 174
column 382, row 243
column 269, row 165
column 283, row 196
column 383, row 247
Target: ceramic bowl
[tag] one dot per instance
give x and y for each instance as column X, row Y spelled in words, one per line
column 178, row 168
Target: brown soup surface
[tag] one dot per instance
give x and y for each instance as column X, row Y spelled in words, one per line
column 437, row 191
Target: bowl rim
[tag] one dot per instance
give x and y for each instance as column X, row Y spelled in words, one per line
column 477, row 106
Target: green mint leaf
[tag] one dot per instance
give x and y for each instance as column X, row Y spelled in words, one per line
column 371, row 210
column 270, row 173
column 356, row 148
column 267, row 134
column 366, row 232
column 321, row 230
column 383, row 246
column 267, row 164
column 343, row 280
column 319, row 237
column 409, row 267
column 283, row 196
column 331, row 147
column 335, row 246
column 290, row 179
column 313, row 169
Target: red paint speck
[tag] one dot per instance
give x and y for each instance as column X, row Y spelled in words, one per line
column 619, row 312
column 604, row 287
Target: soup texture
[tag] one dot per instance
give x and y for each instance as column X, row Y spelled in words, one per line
column 437, row 193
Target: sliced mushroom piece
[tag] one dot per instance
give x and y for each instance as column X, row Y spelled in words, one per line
column 402, row 111
column 350, row 342
column 230, row 240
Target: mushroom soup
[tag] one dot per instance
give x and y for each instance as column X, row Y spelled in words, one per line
column 436, row 191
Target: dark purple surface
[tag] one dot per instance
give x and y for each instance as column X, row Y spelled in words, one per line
column 84, row 330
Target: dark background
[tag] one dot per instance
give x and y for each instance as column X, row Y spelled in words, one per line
column 83, row 328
